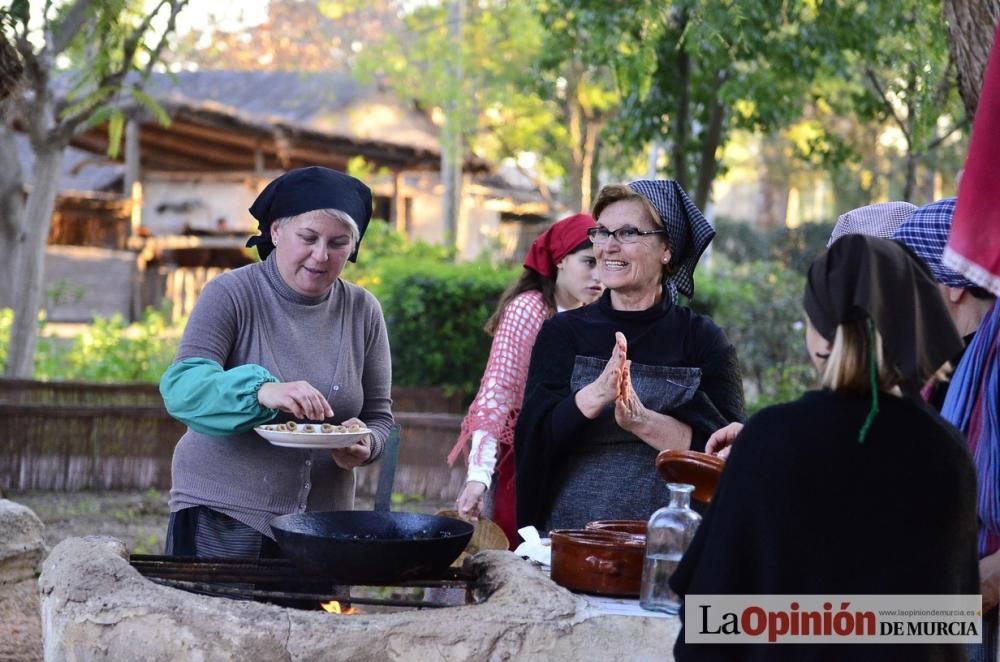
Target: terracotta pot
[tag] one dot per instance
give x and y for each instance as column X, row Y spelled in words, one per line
column 596, row 561
column 699, row 469
column 633, row 526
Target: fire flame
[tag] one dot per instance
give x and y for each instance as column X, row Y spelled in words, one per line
column 334, row 607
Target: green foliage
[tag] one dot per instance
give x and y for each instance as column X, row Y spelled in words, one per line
column 105, row 52
column 794, row 248
column 758, row 304
column 6, row 321
column 517, row 79
column 435, row 313
column 111, row 350
column 382, row 242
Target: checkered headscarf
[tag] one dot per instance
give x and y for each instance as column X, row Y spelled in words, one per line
column 687, row 228
column 880, row 220
column 926, row 233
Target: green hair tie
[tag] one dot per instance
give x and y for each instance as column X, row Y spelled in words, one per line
column 873, row 374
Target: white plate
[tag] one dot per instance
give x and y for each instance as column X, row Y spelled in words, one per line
column 301, row 439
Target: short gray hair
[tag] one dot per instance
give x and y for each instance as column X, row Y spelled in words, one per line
column 334, row 214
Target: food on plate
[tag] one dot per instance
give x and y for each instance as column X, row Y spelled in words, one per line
column 309, row 428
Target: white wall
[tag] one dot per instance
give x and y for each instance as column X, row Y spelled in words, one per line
column 208, row 203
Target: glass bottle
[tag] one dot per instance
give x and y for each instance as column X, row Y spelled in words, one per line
column 668, row 535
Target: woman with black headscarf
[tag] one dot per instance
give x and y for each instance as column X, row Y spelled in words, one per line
column 613, row 383
column 281, row 339
column 853, row 488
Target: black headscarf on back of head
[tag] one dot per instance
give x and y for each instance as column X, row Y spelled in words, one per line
column 861, row 277
column 308, row 189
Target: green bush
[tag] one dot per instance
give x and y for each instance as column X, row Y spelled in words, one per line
column 758, row 304
column 435, row 313
column 110, row 350
column 6, row 320
column 794, row 248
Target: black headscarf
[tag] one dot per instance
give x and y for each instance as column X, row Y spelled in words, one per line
column 861, row 277
column 308, row 189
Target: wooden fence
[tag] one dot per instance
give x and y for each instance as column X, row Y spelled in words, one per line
column 67, row 436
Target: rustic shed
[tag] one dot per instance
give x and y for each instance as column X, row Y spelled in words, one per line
column 179, row 194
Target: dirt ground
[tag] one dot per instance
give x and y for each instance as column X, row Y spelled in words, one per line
column 137, row 518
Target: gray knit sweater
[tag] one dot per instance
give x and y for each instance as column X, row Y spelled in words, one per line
column 337, row 343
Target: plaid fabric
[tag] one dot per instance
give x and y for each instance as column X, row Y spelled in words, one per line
column 880, row 220
column 926, row 233
column 688, row 229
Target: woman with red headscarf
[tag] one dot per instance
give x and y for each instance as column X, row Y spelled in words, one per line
column 559, row 274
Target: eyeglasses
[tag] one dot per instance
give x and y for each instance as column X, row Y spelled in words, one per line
column 623, row 235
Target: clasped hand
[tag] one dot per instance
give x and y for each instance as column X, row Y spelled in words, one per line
column 614, row 384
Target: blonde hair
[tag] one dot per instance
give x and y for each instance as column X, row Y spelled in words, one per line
column 848, row 368
column 613, row 193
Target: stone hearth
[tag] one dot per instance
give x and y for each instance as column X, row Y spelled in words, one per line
column 95, row 606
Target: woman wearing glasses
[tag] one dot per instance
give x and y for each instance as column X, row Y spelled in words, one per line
column 612, row 384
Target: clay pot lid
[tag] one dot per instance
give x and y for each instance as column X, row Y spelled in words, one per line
column 699, row 469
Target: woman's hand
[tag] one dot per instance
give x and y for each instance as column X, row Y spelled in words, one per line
column 592, row 398
column 470, row 502
column 354, row 455
column 721, row 441
column 630, row 413
column 989, row 580
column 301, row 399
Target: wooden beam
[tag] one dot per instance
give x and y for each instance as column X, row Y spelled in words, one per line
column 206, row 150
column 173, row 242
column 96, row 141
column 220, row 134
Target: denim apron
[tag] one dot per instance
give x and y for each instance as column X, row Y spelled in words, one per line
column 611, row 473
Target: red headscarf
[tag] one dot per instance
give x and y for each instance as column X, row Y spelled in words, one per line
column 557, row 242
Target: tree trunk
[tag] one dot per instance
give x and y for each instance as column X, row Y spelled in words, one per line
column 28, row 297
column 680, row 125
column 593, row 131
column 971, row 27
column 11, row 215
column 910, row 185
column 709, row 147
column 452, row 148
column 576, row 125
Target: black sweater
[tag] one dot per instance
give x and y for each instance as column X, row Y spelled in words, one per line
column 550, row 427
column 803, row 508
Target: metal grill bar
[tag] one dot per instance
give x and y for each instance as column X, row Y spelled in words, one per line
column 275, row 579
column 270, row 570
column 317, row 597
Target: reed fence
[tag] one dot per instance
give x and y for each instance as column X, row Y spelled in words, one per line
column 68, row 436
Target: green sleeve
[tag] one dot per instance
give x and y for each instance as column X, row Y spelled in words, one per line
column 210, row 400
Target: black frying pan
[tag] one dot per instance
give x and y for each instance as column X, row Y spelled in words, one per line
column 357, row 546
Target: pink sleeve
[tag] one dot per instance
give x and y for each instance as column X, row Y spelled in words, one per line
column 498, row 401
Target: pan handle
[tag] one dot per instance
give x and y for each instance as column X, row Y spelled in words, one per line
column 387, row 472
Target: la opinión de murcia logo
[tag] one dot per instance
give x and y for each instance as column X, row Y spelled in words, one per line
column 848, row 619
